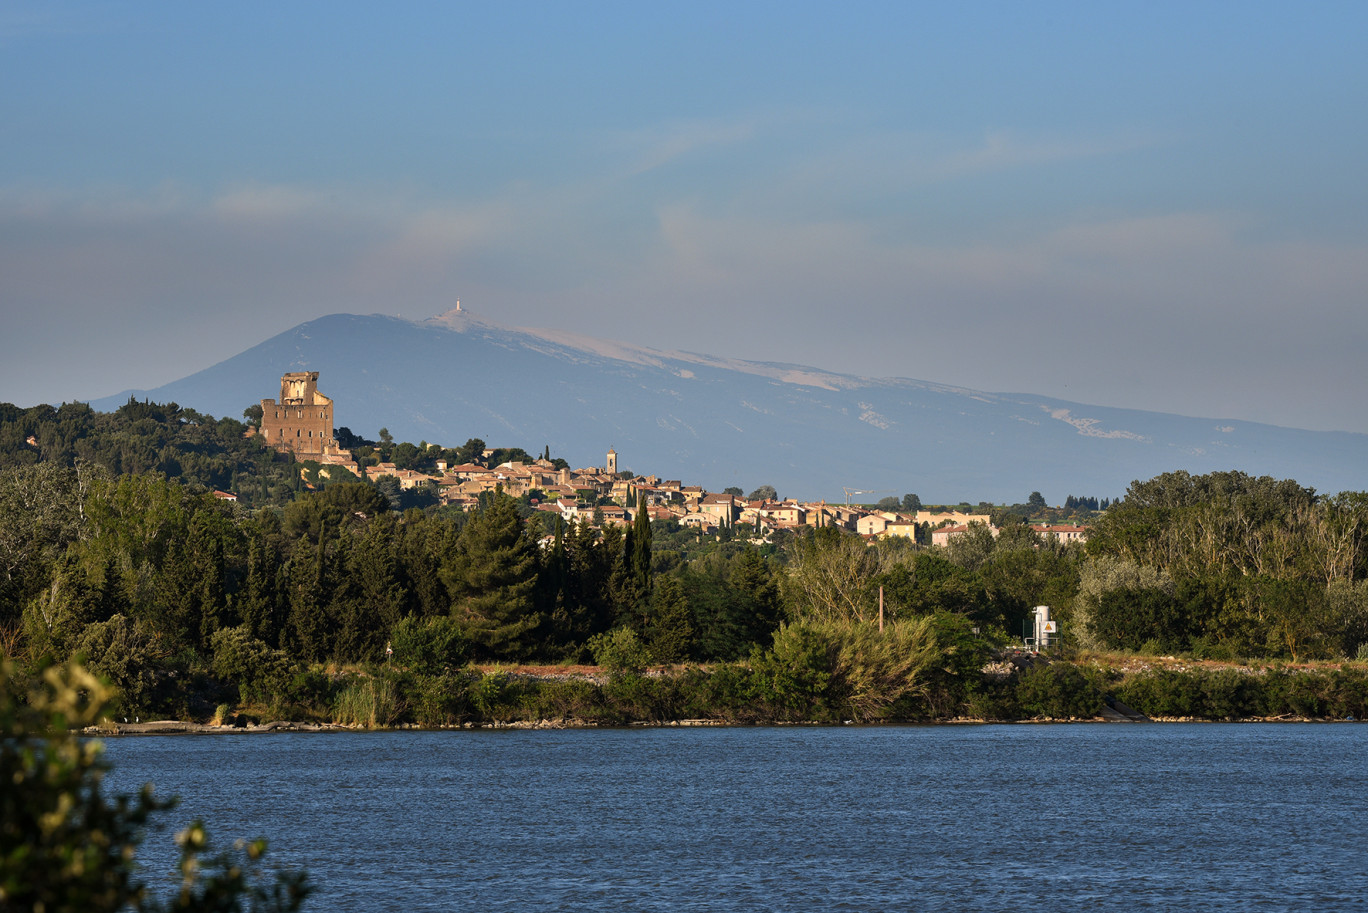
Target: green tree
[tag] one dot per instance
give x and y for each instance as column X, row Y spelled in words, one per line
column 259, row 672
column 429, row 646
column 472, row 451
column 40, row 515
column 337, row 507
column 311, row 630
column 640, row 548
column 669, row 631
column 492, row 578
column 831, row 577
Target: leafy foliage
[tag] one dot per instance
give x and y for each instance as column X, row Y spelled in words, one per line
column 66, row 846
column 430, row 646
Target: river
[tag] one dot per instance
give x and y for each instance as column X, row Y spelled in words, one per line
column 994, row 817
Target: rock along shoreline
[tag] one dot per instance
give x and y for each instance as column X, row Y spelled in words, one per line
column 180, row 727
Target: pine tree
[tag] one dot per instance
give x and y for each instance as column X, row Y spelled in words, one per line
column 669, row 626
column 492, row 577
column 259, row 600
column 312, row 630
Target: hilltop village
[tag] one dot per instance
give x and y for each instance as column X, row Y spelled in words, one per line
column 125, row 547
column 301, row 423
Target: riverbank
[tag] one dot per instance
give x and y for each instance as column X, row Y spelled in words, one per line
column 1013, row 688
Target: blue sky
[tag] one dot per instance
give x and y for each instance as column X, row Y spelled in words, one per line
column 1161, row 206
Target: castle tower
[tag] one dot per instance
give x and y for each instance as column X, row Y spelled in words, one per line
column 612, row 461
column 302, row 422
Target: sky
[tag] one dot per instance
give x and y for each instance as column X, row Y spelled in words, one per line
column 1160, row 206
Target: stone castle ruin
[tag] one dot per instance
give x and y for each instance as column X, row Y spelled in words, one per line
column 302, row 422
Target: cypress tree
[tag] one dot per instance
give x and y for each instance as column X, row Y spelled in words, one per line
column 640, row 558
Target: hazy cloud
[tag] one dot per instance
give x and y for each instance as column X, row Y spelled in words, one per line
column 661, row 144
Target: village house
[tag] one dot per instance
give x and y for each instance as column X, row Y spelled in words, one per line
column 941, row 537
column 872, row 524
column 721, row 507
column 301, row 422
column 903, row 526
column 951, row 518
column 698, row 520
column 1064, row 534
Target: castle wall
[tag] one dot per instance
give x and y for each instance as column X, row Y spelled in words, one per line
column 302, row 421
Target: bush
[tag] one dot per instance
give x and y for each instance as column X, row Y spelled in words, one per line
column 619, row 652
column 1228, row 694
column 260, row 672
column 955, row 679
column 993, row 700
column 430, row 646
column 634, row 698
column 435, row 700
column 310, row 692
column 853, row 669
column 1206, row 648
column 1162, row 694
column 877, row 671
column 1058, row 691
column 563, row 700
column 728, row 692
column 120, row 650
column 794, row 677
column 66, row 846
column 495, row 695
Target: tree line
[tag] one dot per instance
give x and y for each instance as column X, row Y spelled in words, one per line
column 167, row 590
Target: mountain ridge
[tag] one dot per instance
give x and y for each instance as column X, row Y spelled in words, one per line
column 724, row 421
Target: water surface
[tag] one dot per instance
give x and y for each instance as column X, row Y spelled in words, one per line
column 1003, row 818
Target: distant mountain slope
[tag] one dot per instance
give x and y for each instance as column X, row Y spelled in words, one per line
column 720, row 422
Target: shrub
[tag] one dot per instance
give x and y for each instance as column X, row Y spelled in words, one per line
column 879, row 670
column 955, row 678
column 619, row 652
column 561, row 700
column 67, row 846
column 1227, row 694
column 632, row 698
column 435, row 700
column 495, row 696
column 1058, row 691
column 1162, row 694
column 259, row 671
column 993, row 700
column 430, row 646
column 794, row 677
column 852, row 668
column 120, row 650
column 728, row 691
column 311, row 690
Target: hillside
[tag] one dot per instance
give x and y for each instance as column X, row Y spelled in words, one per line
column 721, row 422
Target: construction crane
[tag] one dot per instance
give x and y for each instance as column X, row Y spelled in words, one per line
column 862, row 491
